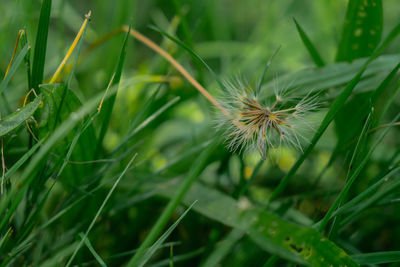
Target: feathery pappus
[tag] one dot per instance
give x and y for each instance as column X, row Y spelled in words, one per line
column 255, row 123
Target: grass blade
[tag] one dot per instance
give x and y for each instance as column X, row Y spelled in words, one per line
column 223, row 248
column 309, row 45
column 93, row 251
column 343, row 193
column 377, row 257
column 99, row 211
column 367, row 193
column 109, row 103
column 16, row 194
column 260, row 81
column 39, row 56
column 146, row 122
column 14, row 67
column 195, row 170
column 162, row 238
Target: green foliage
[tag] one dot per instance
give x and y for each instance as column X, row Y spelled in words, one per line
column 39, row 55
column 309, row 45
column 122, row 163
column 362, row 29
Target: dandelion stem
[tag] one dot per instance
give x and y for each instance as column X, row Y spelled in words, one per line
column 156, row 48
column 176, row 64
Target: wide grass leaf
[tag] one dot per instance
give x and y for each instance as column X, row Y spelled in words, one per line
column 362, row 29
column 300, row 244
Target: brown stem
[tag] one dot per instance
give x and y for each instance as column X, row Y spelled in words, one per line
column 156, row 48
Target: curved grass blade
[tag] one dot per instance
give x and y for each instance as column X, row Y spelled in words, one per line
column 14, row 67
column 383, row 96
column 367, row 193
column 373, row 199
column 343, row 193
column 309, row 45
column 359, row 151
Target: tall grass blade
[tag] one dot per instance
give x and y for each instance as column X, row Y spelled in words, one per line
column 198, row 166
column 14, row 67
column 109, row 103
column 146, row 257
column 39, row 56
column 352, row 178
column 309, row 45
column 99, row 211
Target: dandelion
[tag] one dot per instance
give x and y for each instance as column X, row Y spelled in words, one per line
column 254, row 123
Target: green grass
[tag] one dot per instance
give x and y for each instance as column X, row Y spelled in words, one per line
column 119, row 162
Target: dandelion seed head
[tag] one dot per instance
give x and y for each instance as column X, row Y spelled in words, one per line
column 255, row 123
